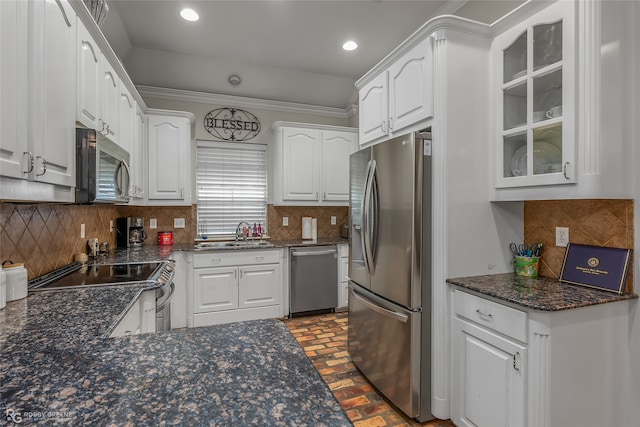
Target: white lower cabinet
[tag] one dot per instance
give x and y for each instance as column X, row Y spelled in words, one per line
column 236, row 285
column 343, row 276
column 140, row 318
column 489, row 363
column 525, row 367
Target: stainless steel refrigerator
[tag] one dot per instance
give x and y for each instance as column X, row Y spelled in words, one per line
column 390, row 270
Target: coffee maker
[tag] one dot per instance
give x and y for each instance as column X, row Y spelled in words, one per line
column 130, row 232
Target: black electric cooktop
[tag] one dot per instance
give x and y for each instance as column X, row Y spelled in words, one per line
column 79, row 275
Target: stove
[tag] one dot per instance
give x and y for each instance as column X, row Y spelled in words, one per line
column 79, row 275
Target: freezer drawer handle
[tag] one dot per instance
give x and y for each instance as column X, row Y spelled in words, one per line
column 313, row 253
column 389, row 313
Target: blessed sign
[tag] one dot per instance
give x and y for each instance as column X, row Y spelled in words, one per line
column 596, row 267
column 232, row 124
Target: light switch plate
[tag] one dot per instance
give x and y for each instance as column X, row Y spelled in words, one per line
column 110, row 226
column 178, row 223
column 333, row 220
column 82, row 231
column 285, row 221
column 153, row 223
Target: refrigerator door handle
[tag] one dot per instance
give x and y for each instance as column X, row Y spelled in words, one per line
column 367, row 220
column 381, row 310
column 366, row 204
column 375, row 214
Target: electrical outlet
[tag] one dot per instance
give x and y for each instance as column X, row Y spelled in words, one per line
column 82, row 234
column 333, row 220
column 562, row 236
column 153, row 223
column 285, row 221
column 178, row 223
column 110, row 226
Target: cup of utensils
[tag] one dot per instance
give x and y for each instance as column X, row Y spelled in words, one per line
column 526, row 258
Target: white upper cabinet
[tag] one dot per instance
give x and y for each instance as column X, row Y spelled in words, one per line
column 89, row 80
column 137, row 159
column 399, row 98
column 336, row 148
column 53, row 84
column 110, row 97
column 535, row 72
column 300, row 164
column 98, row 88
column 14, row 158
column 169, row 157
column 411, row 88
column 126, row 119
column 374, row 109
column 37, row 76
column 561, row 98
column 312, row 164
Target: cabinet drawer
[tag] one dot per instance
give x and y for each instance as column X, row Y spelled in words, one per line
column 500, row 318
column 238, row 257
column 343, row 251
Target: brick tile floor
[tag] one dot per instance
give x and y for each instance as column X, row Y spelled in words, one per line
column 324, row 339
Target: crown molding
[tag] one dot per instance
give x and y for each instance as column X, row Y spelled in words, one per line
column 239, row 101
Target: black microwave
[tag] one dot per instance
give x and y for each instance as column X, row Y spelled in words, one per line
column 102, row 169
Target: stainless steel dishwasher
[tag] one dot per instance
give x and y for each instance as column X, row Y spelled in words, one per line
column 314, row 279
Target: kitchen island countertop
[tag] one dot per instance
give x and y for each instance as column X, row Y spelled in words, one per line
column 541, row 293
column 57, row 367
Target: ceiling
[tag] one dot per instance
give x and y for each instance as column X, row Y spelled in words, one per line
column 283, row 50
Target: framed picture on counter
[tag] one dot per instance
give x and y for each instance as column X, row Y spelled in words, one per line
column 596, row 267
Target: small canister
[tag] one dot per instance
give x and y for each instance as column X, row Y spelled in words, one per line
column 165, row 238
column 3, row 289
column 16, row 276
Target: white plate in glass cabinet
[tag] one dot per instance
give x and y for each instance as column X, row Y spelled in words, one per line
column 535, row 97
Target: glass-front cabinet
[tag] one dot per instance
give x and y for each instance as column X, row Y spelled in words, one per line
column 535, row 100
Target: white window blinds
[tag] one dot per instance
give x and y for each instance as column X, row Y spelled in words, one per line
column 231, row 181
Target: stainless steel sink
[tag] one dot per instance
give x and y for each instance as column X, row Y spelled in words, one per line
column 234, row 244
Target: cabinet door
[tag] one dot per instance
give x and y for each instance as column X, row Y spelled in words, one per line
column 137, row 163
column 14, row 160
column 53, row 94
column 411, row 87
column 215, row 289
column 336, row 149
column 374, row 109
column 89, row 79
column 259, row 285
column 488, row 378
column 166, row 157
column 126, row 119
column 110, row 99
column 535, row 98
column 301, row 164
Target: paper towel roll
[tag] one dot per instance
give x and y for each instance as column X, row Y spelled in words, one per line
column 314, row 229
column 306, row 228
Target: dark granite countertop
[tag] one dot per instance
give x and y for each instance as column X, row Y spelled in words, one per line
column 542, row 293
column 323, row 241
column 57, row 367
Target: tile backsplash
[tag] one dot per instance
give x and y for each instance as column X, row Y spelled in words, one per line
column 295, row 213
column 591, row 222
column 46, row 236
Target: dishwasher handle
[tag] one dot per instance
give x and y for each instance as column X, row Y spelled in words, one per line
column 313, row 253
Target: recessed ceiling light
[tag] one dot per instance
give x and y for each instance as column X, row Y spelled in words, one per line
column 234, row 80
column 350, row 45
column 189, row 15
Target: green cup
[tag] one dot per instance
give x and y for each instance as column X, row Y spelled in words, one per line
column 526, row 265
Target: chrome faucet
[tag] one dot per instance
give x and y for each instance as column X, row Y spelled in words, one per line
column 239, row 232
